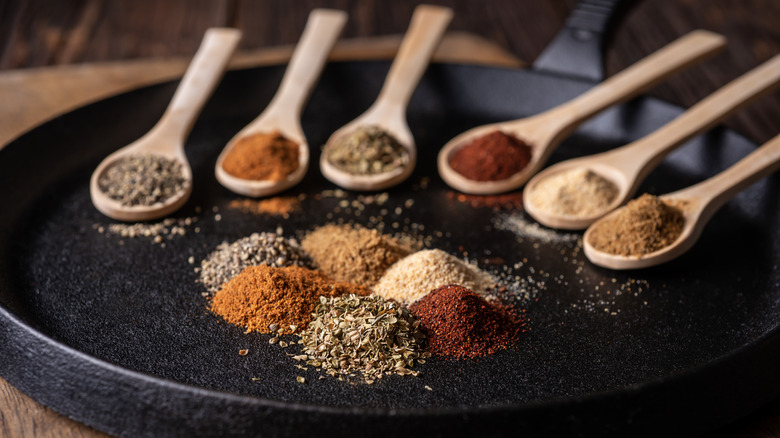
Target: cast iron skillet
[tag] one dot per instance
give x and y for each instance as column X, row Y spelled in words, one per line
column 117, row 335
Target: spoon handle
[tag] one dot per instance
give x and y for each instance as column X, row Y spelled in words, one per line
column 714, row 192
column 642, row 156
column 637, row 78
column 425, row 31
column 198, row 83
column 320, row 34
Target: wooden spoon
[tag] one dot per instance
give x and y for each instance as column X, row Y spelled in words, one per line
column 167, row 137
column 628, row 166
column 283, row 113
column 698, row 203
column 389, row 110
column 543, row 132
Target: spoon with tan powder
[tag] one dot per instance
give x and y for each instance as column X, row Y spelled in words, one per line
column 388, row 112
column 696, row 203
column 544, row 132
column 619, row 172
column 283, row 113
column 165, row 141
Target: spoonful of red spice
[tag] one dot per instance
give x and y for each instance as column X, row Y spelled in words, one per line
column 501, row 157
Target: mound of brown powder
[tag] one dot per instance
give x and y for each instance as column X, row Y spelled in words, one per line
column 262, row 295
column 352, row 253
column 262, row 157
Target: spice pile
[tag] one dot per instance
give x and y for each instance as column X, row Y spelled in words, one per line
column 352, row 253
column 285, row 297
column 417, row 274
column 492, row 157
column 262, row 157
column 644, row 225
column 229, row 259
column 459, row 323
column 367, row 150
column 576, row 192
column 142, row 179
column 366, row 335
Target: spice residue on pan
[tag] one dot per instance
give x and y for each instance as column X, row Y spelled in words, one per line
column 142, row 179
column 644, row 225
column 276, row 206
column 262, row 157
column 492, row 157
column 159, row 232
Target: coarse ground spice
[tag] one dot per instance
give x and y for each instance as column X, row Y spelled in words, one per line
column 276, row 206
column 459, row 323
column 142, row 179
column 368, row 150
column 229, row 259
column 417, row 274
column 492, row 157
column 576, row 192
column 286, row 297
column 644, row 225
column 353, row 253
column 262, row 157
column 362, row 335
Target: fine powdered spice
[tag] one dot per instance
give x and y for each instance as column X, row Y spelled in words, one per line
column 576, row 192
column 229, row 259
column 262, row 157
column 276, row 206
column 505, row 201
column 366, row 335
column 459, row 323
column 142, row 179
column 492, row 157
column 414, row 276
column 644, row 225
column 367, row 150
column 352, row 253
column 262, row 296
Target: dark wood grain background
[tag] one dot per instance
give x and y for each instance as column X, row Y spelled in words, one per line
column 39, row 33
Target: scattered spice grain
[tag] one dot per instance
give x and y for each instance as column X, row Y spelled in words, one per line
column 262, row 157
column 229, row 259
column 461, row 324
column 362, row 334
column 644, row 225
column 276, row 206
column 167, row 229
column 353, row 253
column 576, row 192
column 368, row 150
column 417, row 274
column 492, row 157
column 262, row 295
column 142, row 179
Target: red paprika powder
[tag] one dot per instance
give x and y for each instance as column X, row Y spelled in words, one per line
column 492, row 157
column 459, row 323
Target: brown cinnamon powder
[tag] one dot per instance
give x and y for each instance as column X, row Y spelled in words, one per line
column 262, row 157
column 644, row 225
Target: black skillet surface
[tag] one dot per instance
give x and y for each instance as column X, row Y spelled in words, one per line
column 117, row 335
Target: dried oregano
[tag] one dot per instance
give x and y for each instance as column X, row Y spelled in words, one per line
column 364, row 335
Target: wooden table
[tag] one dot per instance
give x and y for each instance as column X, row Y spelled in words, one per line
column 55, row 56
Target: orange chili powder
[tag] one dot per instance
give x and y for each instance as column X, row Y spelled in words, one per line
column 262, row 157
column 261, row 295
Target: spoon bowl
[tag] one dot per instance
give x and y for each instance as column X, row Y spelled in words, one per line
column 545, row 131
column 697, row 204
column 283, row 112
column 389, row 110
column 626, row 167
column 166, row 138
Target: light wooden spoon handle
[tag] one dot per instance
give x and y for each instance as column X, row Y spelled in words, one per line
column 637, row 78
column 320, row 34
column 425, row 31
column 648, row 152
column 715, row 191
column 198, row 83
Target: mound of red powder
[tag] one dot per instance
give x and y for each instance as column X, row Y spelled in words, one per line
column 459, row 323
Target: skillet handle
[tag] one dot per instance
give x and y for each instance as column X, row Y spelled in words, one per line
column 578, row 50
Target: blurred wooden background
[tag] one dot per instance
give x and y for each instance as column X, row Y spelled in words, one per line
column 46, row 33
